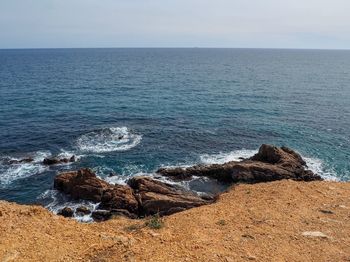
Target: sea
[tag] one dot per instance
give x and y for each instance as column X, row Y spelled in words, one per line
column 130, row 111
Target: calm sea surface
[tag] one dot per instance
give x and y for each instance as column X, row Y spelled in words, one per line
column 130, row 111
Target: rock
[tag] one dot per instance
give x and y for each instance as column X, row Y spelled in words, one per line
column 82, row 210
column 66, row 212
column 112, row 174
column 314, row 234
column 156, row 197
column 141, row 197
column 119, row 197
column 101, row 215
column 56, row 161
column 269, row 164
column 20, row 161
column 81, row 184
column 324, row 211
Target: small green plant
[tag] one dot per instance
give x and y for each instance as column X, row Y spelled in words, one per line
column 155, row 222
column 221, row 222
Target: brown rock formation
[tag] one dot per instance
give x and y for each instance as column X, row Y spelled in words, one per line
column 143, row 196
column 156, row 197
column 269, row 164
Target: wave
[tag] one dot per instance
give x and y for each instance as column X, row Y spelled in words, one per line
column 11, row 172
column 222, row 158
column 108, row 140
column 316, row 165
column 55, row 201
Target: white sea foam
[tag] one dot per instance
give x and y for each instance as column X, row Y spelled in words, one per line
column 55, row 201
column 316, row 165
column 69, row 154
column 108, row 140
column 222, row 158
column 12, row 172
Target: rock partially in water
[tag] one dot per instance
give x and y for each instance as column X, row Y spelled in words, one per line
column 82, row 210
column 119, row 197
column 81, row 184
column 20, row 161
column 141, row 197
column 56, row 160
column 66, row 212
column 156, row 197
column 269, row 164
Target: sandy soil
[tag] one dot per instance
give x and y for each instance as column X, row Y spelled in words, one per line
column 279, row 221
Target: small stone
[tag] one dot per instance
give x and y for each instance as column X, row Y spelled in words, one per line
column 326, row 211
column 314, row 234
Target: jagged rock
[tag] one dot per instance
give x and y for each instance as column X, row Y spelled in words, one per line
column 81, row 184
column 66, row 212
column 269, row 164
column 119, row 197
column 20, row 161
column 156, row 197
column 56, row 161
column 142, row 196
column 82, row 210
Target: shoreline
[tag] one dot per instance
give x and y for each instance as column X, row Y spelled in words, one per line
column 271, row 221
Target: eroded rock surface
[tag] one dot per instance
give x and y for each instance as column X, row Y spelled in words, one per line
column 269, row 164
column 156, row 197
column 142, row 196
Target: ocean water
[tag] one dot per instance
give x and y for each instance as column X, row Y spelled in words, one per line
column 131, row 111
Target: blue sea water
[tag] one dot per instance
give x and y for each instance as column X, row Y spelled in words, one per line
column 130, row 111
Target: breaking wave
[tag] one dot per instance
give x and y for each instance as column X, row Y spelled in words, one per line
column 108, row 140
column 55, row 201
column 316, row 165
column 12, row 172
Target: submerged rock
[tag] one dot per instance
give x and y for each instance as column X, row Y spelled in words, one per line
column 269, row 164
column 20, row 161
column 56, row 161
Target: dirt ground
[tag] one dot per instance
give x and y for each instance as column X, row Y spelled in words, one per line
column 278, row 221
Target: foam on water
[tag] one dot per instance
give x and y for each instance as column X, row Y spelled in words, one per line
column 108, row 140
column 55, row 201
column 222, row 158
column 12, row 172
column 316, row 165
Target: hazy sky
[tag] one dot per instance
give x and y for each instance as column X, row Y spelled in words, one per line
column 175, row 23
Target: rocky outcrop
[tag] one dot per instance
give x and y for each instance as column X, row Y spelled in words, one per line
column 269, row 164
column 81, row 184
column 156, row 197
column 141, row 197
column 144, row 196
column 56, row 160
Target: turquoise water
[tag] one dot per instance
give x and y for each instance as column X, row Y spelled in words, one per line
column 172, row 107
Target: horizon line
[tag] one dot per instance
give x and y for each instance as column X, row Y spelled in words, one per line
column 170, row 47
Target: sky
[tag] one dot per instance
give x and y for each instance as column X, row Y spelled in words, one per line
column 319, row 24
